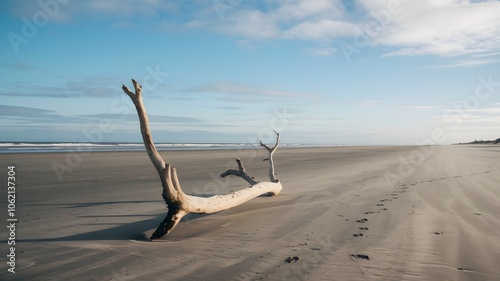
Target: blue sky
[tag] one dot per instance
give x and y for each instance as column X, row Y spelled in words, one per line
column 364, row 72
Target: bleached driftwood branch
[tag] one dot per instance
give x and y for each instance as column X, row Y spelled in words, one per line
column 179, row 204
column 241, row 172
column 271, row 150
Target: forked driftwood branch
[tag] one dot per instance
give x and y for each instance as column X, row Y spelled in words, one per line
column 179, row 203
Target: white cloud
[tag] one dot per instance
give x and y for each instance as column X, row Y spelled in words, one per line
column 445, row 28
column 320, row 30
column 294, row 19
column 249, row 23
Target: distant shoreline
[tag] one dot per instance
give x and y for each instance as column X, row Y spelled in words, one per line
column 47, row 147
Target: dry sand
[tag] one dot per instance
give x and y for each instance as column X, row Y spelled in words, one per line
column 337, row 218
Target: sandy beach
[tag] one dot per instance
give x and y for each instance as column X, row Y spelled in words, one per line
column 345, row 213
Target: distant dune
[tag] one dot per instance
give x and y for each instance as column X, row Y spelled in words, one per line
column 497, row 141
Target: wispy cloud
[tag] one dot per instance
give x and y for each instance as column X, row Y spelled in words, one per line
column 470, row 63
column 322, row 51
column 96, row 87
column 486, row 55
column 368, row 103
column 17, row 66
column 26, row 114
column 245, row 90
column 322, row 29
column 484, row 120
column 30, row 116
column 419, row 107
column 132, row 7
column 23, row 111
column 27, row 8
column 474, row 118
column 165, row 119
column 491, row 110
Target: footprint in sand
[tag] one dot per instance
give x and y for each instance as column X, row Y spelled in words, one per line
column 291, row 259
column 359, row 256
column 362, row 220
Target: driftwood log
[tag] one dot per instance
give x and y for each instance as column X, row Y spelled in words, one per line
column 179, row 203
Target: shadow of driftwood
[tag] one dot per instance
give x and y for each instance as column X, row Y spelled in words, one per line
column 129, row 231
column 94, row 204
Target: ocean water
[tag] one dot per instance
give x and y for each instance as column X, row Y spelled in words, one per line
column 38, row 147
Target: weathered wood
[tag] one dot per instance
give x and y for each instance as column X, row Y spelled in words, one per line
column 241, row 172
column 271, row 150
column 179, row 204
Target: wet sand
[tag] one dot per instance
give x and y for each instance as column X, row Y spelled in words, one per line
column 345, row 213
